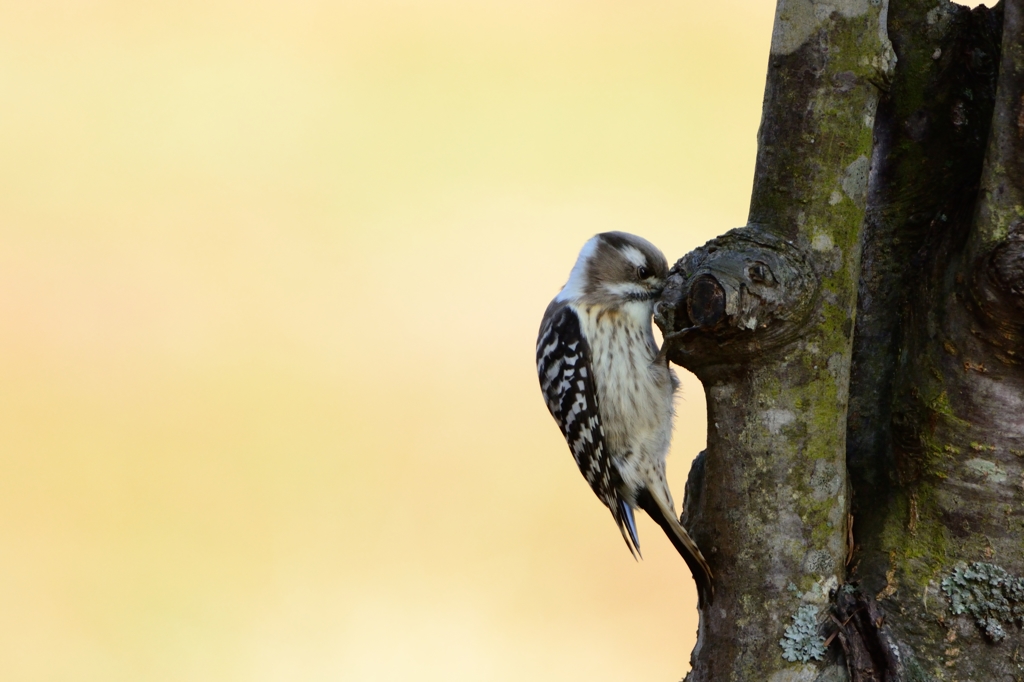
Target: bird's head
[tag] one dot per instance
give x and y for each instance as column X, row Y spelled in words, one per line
column 615, row 268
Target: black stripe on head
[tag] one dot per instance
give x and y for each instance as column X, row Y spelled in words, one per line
column 655, row 259
column 617, row 240
column 615, row 262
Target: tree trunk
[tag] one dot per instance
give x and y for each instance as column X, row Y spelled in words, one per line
column 861, row 499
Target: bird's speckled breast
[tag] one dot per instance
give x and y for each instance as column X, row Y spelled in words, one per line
column 634, row 394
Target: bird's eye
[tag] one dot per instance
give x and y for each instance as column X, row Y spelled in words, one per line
column 643, row 272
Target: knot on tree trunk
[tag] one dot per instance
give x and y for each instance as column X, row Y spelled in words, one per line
column 997, row 296
column 741, row 294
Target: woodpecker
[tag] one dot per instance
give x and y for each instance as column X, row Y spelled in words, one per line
column 611, row 392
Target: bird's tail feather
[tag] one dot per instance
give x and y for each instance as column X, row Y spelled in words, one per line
column 623, row 514
column 683, row 543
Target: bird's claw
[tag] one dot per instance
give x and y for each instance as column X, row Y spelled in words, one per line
column 670, row 339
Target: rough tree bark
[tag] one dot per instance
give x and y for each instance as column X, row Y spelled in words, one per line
column 861, row 497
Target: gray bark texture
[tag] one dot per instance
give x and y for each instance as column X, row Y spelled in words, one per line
column 861, row 346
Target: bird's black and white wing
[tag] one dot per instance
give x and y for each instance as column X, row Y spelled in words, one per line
column 567, row 381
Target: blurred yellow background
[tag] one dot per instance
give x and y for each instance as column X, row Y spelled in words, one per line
column 270, row 278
